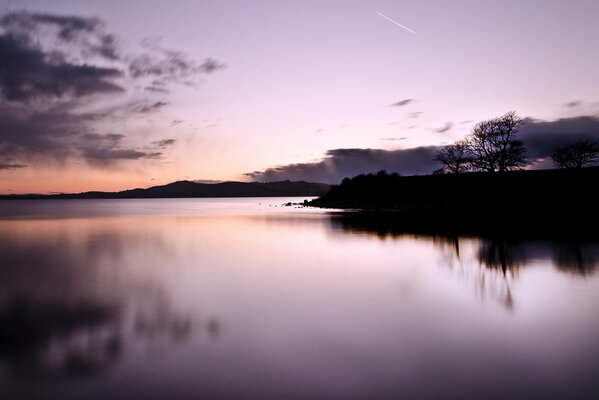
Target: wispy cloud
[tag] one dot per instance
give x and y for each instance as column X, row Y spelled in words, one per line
column 573, row 104
column 163, row 143
column 402, row 103
column 12, row 166
column 445, row 128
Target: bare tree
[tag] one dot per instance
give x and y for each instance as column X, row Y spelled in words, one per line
column 582, row 153
column 456, row 158
column 494, row 146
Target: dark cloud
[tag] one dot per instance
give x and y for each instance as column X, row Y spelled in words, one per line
column 88, row 34
column 114, row 138
column 541, row 139
column 211, row 65
column 104, row 149
column 445, row 128
column 394, row 138
column 12, row 166
column 415, row 115
column 176, row 122
column 156, row 89
column 107, row 154
column 163, row 65
column 50, row 56
column 164, row 143
column 573, row 104
column 26, row 73
column 145, row 108
column 26, row 133
column 69, row 27
column 340, row 163
column 54, row 66
column 402, row 103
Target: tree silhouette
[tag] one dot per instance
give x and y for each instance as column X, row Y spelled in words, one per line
column 494, row 146
column 456, row 158
column 582, row 153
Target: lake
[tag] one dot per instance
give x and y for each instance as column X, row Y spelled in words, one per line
column 246, row 299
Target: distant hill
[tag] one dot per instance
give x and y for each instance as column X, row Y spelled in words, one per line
column 182, row 189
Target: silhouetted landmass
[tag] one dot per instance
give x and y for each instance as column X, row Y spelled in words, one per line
column 183, row 189
column 532, row 203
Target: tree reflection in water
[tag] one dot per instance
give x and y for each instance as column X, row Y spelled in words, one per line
column 494, row 267
column 66, row 307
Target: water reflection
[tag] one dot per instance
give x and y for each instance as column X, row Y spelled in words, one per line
column 66, row 297
column 499, row 259
column 29, row 332
column 503, row 253
column 150, row 301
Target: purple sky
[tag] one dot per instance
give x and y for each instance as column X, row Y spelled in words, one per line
column 304, row 78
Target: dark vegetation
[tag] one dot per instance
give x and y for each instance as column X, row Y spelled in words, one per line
column 182, row 189
column 493, row 146
column 582, row 153
column 547, row 201
column 482, row 189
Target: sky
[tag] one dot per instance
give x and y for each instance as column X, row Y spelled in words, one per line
column 113, row 95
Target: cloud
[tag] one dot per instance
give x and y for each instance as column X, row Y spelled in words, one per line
column 27, row 133
column 145, row 108
column 540, row 137
column 27, row 73
column 107, row 154
column 211, row 65
column 340, row 163
column 543, row 137
column 164, row 143
column 154, row 88
column 163, row 65
column 69, row 26
column 573, row 104
column 104, row 149
column 87, row 34
column 402, row 103
column 445, row 128
column 12, row 166
column 52, row 67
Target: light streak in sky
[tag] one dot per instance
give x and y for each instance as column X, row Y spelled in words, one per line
column 396, row 23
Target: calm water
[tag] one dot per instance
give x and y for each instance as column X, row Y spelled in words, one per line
column 237, row 298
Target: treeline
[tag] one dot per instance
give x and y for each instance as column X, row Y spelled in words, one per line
column 483, row 187
column 494, row 146
column 553, row 200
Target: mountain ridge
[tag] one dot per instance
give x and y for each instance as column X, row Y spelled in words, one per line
column 189, row 189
